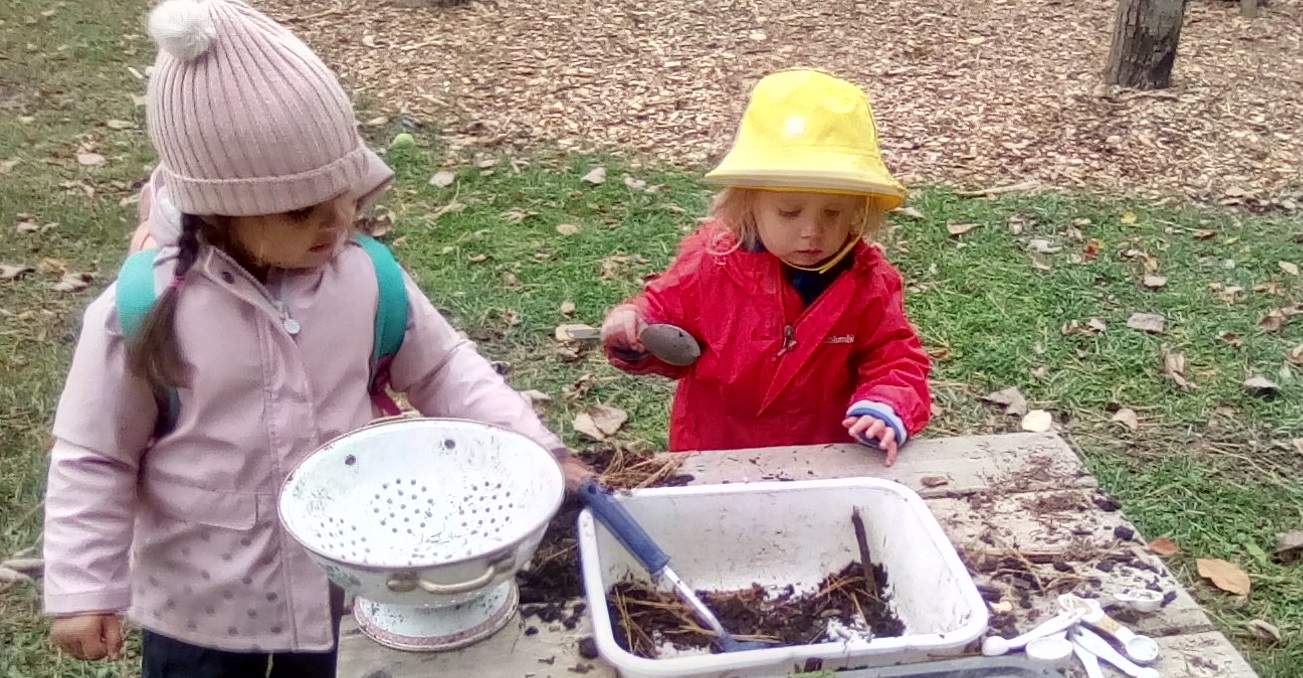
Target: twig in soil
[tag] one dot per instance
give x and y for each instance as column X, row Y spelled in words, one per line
column 870, row 582
column 639, row 641
column 643, row 473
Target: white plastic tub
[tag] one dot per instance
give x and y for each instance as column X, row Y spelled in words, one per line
column 726, row 537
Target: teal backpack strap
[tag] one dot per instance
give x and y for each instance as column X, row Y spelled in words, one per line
column 136, row 296
column 391, row 319
column 136, row 293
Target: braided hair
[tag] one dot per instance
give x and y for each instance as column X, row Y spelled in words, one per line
column 155, row 355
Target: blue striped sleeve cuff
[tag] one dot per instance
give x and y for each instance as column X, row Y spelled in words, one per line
column 883, row 412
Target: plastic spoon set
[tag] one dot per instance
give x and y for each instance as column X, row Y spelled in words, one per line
column 1082, row 628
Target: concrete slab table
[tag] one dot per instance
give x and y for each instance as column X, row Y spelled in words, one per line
column 1021, row 508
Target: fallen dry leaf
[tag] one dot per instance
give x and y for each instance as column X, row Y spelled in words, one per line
column 536, row 397
column 1038, row 421
column 73, row 282
column 1227, row 293
column 517, row 215
column 1164, row 547
column 8, row 576
column 451, row 208
column 1091, row 326
column 28, row 227
column 1174, row 367
column 1270, row 287
column 1128, row 217
column 1231, row 339
column 1042, row 246
column 1289, row 545
column 118, row 124
column 90, row 159
column 1147, row 322
column 934, row 481
column 443, row 179
column 1090, row 251
column 1203, row 234
column 639, row 185
column 1011, row 398
column 1263, row 630
column 1127, row 417
column 596, row 176
column 1224, row 575
column 568, row 308
column 477, row 258
column 1288, row 267
column 1040, row 265
column 1273, row 321
column 600, row 421
column 909, row 212
column 12, row 272
column 1298, row 445
column 29, row 566
column 1155, row 282
column 567, row 229
column 7, row 166
column 955, row 228
column 1261, row 386
column 1294, row 356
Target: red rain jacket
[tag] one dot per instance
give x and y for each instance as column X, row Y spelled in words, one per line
column 773, row 373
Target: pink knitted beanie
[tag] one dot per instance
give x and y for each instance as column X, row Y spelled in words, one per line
column 246, row 120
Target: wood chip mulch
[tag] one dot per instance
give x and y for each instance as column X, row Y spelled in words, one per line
column 975, row 94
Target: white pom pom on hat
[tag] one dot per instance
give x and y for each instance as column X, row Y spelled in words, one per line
column 183, row 28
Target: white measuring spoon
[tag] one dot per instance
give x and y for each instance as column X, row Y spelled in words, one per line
column 1140, row 600
column 995, row 646
column 1139, row 648
column 1099, row 647
column 1088, row 661
column 1050, row 649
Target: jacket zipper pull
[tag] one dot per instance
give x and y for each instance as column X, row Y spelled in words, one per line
column 789, row 339
column 291, row 325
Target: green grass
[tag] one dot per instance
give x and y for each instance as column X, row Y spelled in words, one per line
column 1212, row 468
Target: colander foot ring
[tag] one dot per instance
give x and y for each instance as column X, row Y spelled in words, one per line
column 421, row 629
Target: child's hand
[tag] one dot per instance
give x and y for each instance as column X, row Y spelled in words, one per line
column 575, row 472
column 622, row 330
column 874, row 429
column 89, row 636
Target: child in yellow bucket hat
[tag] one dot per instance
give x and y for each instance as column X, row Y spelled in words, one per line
column 800, row 322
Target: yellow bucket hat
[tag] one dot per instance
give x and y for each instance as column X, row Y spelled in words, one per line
column 807, row 130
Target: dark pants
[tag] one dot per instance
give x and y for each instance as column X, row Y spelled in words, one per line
column 165, row 657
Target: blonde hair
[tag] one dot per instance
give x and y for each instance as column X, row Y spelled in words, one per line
column 731, row 210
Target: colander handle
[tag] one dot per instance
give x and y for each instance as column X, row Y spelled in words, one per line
column 500, row 567
column 617, row 519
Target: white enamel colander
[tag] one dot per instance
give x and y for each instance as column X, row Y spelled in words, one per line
column 422, row 511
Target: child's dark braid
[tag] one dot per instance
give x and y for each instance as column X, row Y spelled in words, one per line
column 187, row 246
column 155, row 354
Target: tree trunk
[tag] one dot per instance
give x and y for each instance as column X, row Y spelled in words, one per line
column 1144, row 43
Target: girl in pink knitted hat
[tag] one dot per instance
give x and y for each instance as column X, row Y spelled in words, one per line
column 171, row 443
